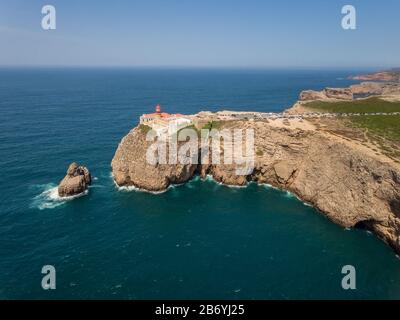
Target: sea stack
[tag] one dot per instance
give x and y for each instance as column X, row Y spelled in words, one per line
column 76, row 181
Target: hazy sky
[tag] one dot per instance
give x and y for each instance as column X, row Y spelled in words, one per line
column 238, row 33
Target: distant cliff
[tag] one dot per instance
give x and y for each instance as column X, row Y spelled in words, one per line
column 389, row 75
column 384, row 90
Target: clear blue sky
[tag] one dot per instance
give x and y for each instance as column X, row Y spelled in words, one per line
column 204, row 33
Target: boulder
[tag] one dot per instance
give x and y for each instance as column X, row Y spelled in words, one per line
column 76, row 181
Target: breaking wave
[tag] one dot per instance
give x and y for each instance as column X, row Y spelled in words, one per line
column 133, row 188
column 207, row 178
column 49, row 198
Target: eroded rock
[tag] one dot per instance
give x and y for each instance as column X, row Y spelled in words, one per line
column 338, row 93
column 310, row 95
column 76, row 181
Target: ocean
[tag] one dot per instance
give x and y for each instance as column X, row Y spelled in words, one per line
column 200, row 240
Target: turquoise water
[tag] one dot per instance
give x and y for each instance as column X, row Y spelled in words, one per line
column 199, row 240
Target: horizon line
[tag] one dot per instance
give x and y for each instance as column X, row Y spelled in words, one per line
column 79, row 66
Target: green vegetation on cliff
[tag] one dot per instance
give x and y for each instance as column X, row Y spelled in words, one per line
column 212, row 125
column 385, row 126
column 190, row 127
column 381, row 130
column 370, row 105
column 144, row 129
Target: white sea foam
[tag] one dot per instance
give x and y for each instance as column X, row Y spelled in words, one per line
column 49, row 198
column 288, row 194
column 177, row 185
column 210, row 178
column 305, row 203
column 190, row 185
column 233, row 186
column 196, row 178
column 268, row 186
column 136, row 189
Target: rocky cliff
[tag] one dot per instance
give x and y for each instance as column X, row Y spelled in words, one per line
column 349, row 184
column 130, row 167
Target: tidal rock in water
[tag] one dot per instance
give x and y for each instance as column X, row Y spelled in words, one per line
column 76, row 181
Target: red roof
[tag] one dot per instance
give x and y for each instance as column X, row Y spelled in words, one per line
column 163, row 115
column 159, row 114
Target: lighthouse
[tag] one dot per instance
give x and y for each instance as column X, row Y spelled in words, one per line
column 164, row 123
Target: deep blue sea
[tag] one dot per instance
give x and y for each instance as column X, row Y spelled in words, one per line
column 199, row 240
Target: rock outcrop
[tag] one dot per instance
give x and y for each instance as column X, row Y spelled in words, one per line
column 76, row 181
column 351, row 186
column 131, row 168
column 309, row 95
column 338, row 93
column 327, row 94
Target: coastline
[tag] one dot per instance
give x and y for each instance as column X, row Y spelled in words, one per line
column 252, row 224
column 342, row 179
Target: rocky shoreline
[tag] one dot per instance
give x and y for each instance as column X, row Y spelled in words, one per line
column 349, row 184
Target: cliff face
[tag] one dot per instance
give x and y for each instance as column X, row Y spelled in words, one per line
column 347, row 184
column 130, row 167
column 350, row 185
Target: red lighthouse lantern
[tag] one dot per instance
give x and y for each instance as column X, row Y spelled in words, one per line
column 158, row 109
